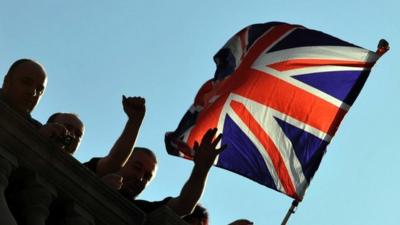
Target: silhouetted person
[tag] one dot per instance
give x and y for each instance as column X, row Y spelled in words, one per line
column 68, row 141
column 134, row 108
column 241, row 222
column 141, row 168
column 199, row 216
column 23, row 86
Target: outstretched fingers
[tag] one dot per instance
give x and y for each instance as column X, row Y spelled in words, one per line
column 136, row 101
column 208, row 136
column 208, row 139
column 215, row 143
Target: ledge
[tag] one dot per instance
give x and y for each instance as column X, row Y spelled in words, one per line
column 23, row 147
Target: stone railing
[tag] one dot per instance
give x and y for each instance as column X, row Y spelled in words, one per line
column 40, row 185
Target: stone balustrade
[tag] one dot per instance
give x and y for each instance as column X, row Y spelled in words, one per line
column 40, row 185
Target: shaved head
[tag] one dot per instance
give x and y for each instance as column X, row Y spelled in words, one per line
column 138, row 172
column 24, row 85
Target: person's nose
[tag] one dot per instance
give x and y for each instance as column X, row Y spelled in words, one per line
column 36, row 92
column 138, row 176
column 142, row 178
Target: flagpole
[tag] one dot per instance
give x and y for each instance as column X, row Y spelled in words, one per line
column 291, row 211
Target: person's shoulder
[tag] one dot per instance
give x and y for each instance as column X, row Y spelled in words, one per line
column 35, row 122
column 92, row 164
column 148, row 206
column 28, row 117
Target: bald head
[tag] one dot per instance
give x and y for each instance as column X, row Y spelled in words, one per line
column 199, row 216
column 24, row 85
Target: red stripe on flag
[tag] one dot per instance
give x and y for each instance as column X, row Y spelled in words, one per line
column 303, row 63
column 208, row 118
column 268, row 90
column 291, row 100
column 269, row 146
column 263, row 43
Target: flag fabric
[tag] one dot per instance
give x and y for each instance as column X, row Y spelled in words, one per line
column 278, row 96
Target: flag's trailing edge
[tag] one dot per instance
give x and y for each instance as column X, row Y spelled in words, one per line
column 278, row 96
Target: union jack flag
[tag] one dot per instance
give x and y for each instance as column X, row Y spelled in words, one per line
column 278, row 95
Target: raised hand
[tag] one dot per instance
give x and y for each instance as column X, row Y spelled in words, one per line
column 55, row 132
column 134, row 107
column 113, row 180
column 206, row 152
column 204, row 157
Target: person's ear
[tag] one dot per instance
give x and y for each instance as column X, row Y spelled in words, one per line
column 6, row 82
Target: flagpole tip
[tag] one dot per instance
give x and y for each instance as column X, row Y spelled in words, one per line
column 383, row 47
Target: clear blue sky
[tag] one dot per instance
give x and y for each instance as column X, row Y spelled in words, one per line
column 95, row 51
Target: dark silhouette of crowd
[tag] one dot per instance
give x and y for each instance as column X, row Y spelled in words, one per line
column 126, row 168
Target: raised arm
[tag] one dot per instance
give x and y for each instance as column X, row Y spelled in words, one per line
column 204, row 157
column 135, row 109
